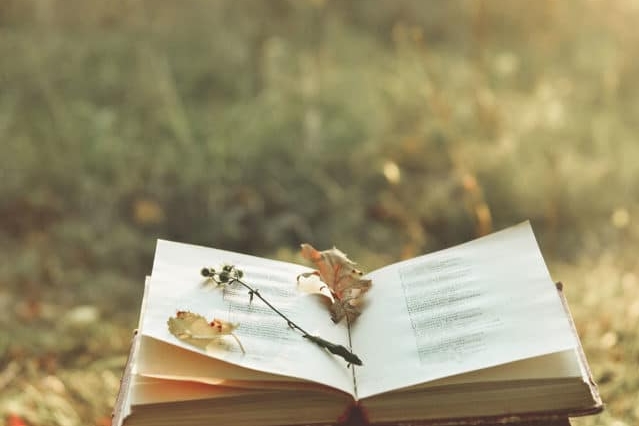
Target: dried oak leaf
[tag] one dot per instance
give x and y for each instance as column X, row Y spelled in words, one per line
column 197, row 331
column 343, row 280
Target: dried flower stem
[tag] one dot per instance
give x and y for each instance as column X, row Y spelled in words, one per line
column 230, row 274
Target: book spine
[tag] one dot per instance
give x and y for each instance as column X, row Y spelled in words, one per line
column 121, row 408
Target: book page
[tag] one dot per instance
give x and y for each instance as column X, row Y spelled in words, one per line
column 271, row 346
column 484, row 303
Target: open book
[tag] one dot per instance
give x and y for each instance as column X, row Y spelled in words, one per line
column 474, row 333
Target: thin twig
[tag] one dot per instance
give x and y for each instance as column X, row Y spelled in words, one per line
column 230, row 274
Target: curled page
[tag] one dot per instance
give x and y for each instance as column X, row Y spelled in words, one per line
column 268, row 344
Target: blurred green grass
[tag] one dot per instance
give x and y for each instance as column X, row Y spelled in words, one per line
column 388, row 129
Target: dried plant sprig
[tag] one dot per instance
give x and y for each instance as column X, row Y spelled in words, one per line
column 337, row 278
column 229, row 274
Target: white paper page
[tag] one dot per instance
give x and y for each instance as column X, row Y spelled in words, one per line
column 270, row 344
column 480, row 304
column 153, row 391
column 184, row 364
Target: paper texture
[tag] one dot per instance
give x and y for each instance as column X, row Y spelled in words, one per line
column 271, row 345
column 480, row 304
column 484, row 303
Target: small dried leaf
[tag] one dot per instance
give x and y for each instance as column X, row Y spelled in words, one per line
column 310, row 282
column 343, row 279
column 197, row 331
column 15, row 420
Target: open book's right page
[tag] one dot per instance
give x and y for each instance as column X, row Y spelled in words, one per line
column 483, row 303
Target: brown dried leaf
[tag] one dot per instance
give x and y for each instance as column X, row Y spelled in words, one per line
column 196, row 330
column 343, row 279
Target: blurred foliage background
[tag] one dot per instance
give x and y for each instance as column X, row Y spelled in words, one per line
column 386, row 128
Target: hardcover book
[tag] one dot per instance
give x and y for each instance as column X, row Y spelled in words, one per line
column 478, row 333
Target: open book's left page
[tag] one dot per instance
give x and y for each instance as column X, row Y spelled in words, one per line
column 270, row 345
